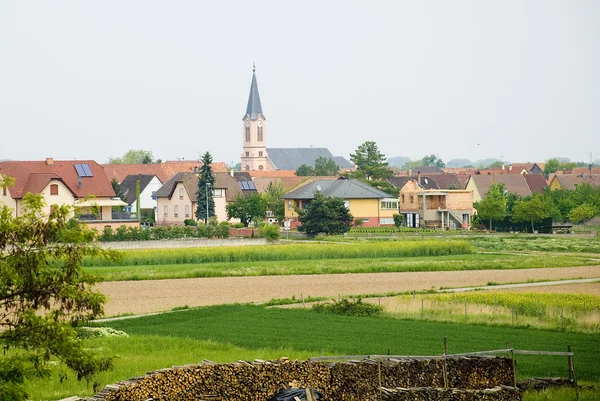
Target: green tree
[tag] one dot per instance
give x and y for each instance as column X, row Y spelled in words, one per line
column 45, row 294
column 305, row 171
column 552, row 166
column 134, row 156
column 273, row 197
column 370, row 162
column 325, row 215
column 205, row 205
column 432, row 161
column 493, row 205
column 325, row 167
column 582, row 213
column 248, row 207
column 117, row 188
column 532, row 210
column 398, row 220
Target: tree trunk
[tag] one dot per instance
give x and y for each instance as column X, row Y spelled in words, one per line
column 490, row 224
column 532, row 228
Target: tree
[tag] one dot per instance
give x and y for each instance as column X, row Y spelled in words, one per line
column 493, row 205
column 45, row 294
column 205, row 206
column 273, row 196
column 134, row 156
column 248, row 207
column 370, row 162
column 398, row 220
column 532, row 210
column 305, row 171
column 325, row 167
column 582, row 213
column 432, row 161
column 325, row 215
column 117, row 188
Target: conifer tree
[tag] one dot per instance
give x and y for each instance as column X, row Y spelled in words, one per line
column 205, row 208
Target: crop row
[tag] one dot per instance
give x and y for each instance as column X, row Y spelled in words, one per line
column 526, row 303
column 297, row 251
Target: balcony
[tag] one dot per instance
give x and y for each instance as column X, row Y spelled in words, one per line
column 115, row 216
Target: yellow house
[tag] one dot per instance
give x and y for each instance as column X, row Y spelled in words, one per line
column 570, row 181
column 375, row 208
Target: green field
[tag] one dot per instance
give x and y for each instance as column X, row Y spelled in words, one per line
column 232, row 332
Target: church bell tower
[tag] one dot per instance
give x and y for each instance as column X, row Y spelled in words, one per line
column 254, row 150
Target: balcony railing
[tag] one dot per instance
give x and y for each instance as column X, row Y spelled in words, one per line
column 114, row 216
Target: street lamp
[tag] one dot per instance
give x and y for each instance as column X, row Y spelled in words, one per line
column 206, row 191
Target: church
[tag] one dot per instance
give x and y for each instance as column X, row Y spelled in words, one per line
column 256, row 155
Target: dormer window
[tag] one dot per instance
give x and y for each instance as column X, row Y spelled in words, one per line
column 54, row 189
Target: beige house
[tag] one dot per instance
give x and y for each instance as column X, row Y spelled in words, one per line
column 520, row 184
column 436, row 208
column 78, row 183
column 177, row 199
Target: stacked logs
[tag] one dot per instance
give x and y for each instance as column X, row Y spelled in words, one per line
column 498, row 393
column 347, row 381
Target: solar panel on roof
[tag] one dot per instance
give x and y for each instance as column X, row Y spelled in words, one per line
column 87, row 170
column 251, row 185
column 243, row 184
column 79, row 170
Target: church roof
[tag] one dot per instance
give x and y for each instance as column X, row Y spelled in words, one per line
column 254, row 107
column 292, row 158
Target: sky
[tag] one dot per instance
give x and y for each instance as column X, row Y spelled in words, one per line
column 513, row 80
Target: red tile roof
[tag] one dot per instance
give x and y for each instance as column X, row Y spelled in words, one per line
column 272, row 173
column 33, row 176
column 164, row 171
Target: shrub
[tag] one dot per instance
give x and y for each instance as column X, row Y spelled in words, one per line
column 349, row 307
column 107, row 234
column 269, row 231
column 190, row 222
column 358, row 222
column 85, row 332
column 398, row 220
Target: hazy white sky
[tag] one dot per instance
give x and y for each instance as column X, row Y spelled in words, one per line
column 517, row 80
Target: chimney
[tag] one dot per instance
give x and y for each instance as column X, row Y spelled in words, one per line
column 231, row 172
column 419, row 177
column 590, row 167
column 195, row 169
column 79, row 182
column 510, row 168
column 502, row 166
column 49, row 161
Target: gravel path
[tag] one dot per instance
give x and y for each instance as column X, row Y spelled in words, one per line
column 149, row 296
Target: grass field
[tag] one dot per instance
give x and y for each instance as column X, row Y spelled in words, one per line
column 336, row 266
column 233, row 332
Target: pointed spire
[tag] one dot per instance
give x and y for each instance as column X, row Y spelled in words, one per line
column 254, row 107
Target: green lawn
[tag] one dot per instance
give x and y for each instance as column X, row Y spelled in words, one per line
column 337, row 266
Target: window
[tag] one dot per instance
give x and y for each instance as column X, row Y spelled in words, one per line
column 218, row 192
column 166, row 211
column 386, row 221
column 260, row 134
column 289, row 205
column 347, row 204
column 247, row 155
column 176, row 211
column 412, row 199
column 187, row 210
column 247, row 134
column 260, row 153
column 365, row 220
column 389, row 205
column 54, row 189
column 4, row 191
column 402, row 198
column 180, row 193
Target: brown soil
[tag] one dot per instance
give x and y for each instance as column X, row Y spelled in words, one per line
column 160, row 295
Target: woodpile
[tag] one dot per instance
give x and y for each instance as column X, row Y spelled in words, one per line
column 498, row 393
column 343, row 381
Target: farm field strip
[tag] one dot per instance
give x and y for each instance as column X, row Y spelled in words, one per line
column 139, row 297
column 337, row 266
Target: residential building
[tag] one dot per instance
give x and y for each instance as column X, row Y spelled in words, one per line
column 78, row 183
column 256, row 155
column 177, row 198
column 375, row 208
column 149, row 184
column 435, row 208
column 570, row 181
column 515, row 183
column 164, row 171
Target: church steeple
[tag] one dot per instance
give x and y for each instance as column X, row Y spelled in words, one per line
column 254, row 107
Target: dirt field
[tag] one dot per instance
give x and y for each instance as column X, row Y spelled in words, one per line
column 160, row 295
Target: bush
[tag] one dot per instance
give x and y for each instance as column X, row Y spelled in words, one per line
column 190, row 222
column 349, row 307
column 398, row 220
column 269, row 231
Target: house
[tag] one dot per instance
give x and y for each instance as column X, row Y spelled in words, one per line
column 433, row 181
column 515, row 183
column 256, row 155
column 514, row 168
column 177, row 198
column 78, row 183
column 149, row 184
column 164, row 171
column 570, row 181
column 374, row 207
column 438, row 208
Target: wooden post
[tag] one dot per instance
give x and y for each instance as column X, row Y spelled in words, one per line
column 444, row 365
column 572, row 373
column 465, row 310
column 514, row 365
column 422, row 308
column 379, row 368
